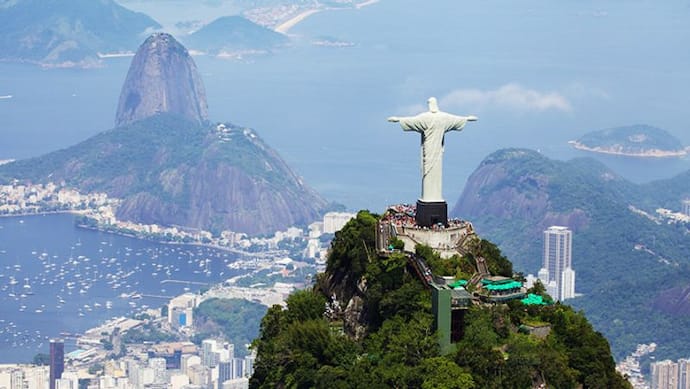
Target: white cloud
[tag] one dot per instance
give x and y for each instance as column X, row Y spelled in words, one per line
column 510, row 96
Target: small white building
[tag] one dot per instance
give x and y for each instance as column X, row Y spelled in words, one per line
column 181, row 308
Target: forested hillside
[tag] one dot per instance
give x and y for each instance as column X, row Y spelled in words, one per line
column 628, row 258
column 308, row 344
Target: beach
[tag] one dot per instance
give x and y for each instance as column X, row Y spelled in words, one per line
column 284, row 27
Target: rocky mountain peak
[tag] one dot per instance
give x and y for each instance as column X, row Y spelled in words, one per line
column 162, row 78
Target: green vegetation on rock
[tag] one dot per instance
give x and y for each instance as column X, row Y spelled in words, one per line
column 318, row 341
column 171, row 171
column 149, row 332
column 234, row 320
column 625, row 261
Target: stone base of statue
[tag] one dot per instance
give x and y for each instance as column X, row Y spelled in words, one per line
column 430, row 214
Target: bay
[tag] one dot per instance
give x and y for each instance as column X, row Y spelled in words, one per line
column 57, row 278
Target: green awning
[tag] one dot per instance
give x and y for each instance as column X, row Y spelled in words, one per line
column 506, row 286
column 458, row 284
column 533, row 299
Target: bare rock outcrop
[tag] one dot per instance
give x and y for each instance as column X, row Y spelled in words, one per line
column 162, row 78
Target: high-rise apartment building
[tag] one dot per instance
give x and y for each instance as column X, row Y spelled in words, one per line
column 684, row 374
column 160, row 375
column 209, row 353
column 249, row 362
column 664, row 375
column 686, row 207
column 57, row 360
column 557, row 273
column 334, row 221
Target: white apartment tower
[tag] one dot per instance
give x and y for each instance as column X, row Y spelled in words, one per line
column 557, row 273
column 664, row 375
column 334, row 221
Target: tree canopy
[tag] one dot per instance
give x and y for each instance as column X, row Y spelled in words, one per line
column 301, row 346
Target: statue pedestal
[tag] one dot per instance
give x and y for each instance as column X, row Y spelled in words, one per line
column 431, row 213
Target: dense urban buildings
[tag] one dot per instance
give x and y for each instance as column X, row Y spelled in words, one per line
column 177, row 365
column 557, row 273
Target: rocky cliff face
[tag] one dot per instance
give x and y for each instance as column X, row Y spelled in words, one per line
column 162, row 78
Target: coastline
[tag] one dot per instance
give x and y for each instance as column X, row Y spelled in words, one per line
column 285, row 26
column 126, row 234
column 167, row 242
column 43, row 213
column 654, row 153
column 366, row 3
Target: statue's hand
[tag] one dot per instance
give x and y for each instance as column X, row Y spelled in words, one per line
column 472, row 118
column 394, row 119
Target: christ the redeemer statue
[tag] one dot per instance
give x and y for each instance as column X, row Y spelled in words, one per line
column 433, row 126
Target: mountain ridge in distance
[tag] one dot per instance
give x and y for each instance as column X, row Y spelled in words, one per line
column 626, row 257
column 68, row 33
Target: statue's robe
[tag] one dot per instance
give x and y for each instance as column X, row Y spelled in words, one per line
column 433, row 127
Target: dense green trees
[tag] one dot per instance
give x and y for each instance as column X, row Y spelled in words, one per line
column 220, row 317
column 299, row 347
column 351, row 246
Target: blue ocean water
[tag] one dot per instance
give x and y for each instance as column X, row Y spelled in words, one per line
column 610, row 63
column 57, row 278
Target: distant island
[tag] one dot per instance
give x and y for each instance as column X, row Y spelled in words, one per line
column 632, row 141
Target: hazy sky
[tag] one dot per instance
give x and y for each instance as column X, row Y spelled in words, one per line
column 537, row 73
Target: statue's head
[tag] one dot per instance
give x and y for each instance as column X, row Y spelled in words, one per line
column 433, row 104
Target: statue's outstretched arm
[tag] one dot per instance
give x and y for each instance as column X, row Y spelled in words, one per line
column 410, row 123
column 457, row 123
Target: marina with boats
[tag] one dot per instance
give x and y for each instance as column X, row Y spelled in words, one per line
column 56, row 278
